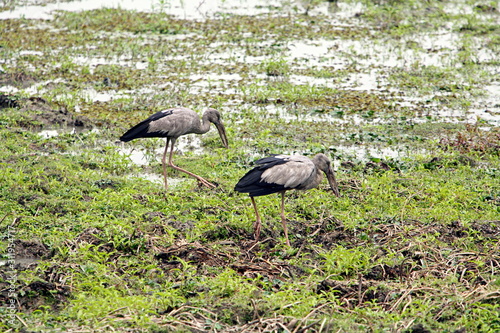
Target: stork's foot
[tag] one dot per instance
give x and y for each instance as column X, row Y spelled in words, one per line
column 205, row 182
column 256, row 232
column 200, row 179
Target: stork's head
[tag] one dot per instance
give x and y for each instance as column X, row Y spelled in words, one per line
column 214, row 117
column 323, row 163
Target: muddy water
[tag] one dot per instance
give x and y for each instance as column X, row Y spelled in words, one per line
column 373, row 63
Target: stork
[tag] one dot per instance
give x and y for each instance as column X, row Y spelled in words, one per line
column 173, row 123
column 280, row 173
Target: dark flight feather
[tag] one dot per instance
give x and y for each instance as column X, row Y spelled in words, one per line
column 252, row 183
column 141, row 129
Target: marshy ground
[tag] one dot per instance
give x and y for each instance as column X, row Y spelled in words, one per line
column 404, row 96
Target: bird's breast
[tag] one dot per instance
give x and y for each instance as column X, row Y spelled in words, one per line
column 312, row 182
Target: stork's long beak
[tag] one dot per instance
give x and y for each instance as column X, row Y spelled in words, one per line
column 330, row 175
column 222, row 133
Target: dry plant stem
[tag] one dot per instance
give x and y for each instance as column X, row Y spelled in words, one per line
column 261, row 242
column 310, row 314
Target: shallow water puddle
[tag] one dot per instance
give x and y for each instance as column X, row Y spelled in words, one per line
column 93, row 62
column 139, row 156
column 136, row 156
column 92, row 95
column 193, row 9
column 365, row 153
column 288, row 114
column 488, row 108
column 35, row 89
column 142, row 157
column 340, row 53
column 222, row 83
column 158, row 179
column 50, row 132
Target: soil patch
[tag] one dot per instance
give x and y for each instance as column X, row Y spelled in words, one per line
column 38, row 113
column 31, row 250
column 19, row 79
column 47, row 290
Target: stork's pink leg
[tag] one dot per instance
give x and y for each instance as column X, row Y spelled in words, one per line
column 171, row 164
column 164, row 163
column 283, row 220
column 257, row 225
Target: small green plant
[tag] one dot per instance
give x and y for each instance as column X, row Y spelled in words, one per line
column 342, row 262
column 275, row 67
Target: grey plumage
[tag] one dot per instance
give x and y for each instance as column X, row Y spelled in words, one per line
column 280, row 173
column 173, row 123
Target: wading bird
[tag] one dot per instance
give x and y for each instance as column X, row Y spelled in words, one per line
column 171, row 124
column 280, row 173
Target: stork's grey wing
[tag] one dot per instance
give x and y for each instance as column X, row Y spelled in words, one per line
column 297, row 171
column 143, row 129
column 272, row 160
column 275, row 174
column 252, row 183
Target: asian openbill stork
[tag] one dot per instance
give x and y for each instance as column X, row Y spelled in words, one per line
column 280, row 173
column 171, row 124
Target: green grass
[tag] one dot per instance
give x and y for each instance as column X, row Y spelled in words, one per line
column 275, row 67
column 116, row 280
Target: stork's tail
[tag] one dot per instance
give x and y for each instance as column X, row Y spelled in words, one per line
column 252, row 184
column 138, row 131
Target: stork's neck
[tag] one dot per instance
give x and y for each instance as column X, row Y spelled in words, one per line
column 313, row 181
column 203, row 126
column 317, row 178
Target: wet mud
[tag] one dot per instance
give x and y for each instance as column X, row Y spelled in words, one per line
column 41, row 114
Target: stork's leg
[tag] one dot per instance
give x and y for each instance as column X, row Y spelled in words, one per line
column 283, row 220
column 171, row 164
column 164, row 161
column 257, row 224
